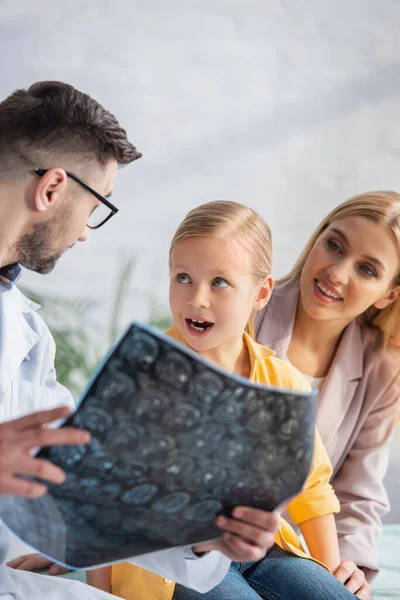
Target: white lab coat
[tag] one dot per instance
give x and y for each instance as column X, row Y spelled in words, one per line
column 28, row 384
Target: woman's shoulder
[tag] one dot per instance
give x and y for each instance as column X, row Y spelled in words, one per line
column 274, row 321
column 381, row 361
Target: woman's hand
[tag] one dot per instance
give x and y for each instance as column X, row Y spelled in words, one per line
column 354, row 579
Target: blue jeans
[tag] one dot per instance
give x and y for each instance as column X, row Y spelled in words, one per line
column 279, row 576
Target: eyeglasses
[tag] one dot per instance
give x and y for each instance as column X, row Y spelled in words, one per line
column 101, row 213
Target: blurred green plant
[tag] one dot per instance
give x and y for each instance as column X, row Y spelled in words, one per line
column 75, row 335
column 123, row 280
column 80, row 342
column 157, row 318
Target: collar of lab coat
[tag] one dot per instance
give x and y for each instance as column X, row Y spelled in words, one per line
column 17, row 337
column 10, row 274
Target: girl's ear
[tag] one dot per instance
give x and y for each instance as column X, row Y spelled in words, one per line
column 391, row 297
column 264, row 293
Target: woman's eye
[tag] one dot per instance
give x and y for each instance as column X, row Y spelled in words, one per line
column 367, row 270
column 183, row 278
column 220, row 283
column 332, row 245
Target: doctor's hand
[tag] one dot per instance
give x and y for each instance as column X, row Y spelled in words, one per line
column 17, row 440
column 247, row 536
column 36, row 562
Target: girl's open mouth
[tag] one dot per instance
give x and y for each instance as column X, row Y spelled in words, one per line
column 198, row 326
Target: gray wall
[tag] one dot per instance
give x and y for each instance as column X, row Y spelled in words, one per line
column 288, row 106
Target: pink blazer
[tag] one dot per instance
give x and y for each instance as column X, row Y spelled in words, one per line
column 357, row 409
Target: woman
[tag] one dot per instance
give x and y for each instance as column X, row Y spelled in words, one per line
column 336, row 318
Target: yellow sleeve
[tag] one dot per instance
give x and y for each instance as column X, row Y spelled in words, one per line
column 318, row 497
column 133, row 583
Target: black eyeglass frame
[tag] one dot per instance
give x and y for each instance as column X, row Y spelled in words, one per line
column 87, row 187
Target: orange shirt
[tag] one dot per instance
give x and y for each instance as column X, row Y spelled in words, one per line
column 315, row 500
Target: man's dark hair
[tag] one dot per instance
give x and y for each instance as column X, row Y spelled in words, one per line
column 51, row 120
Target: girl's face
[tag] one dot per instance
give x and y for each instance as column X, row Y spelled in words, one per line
column 212, row 291
column 351, row 267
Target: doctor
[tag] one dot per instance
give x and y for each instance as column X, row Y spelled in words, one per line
column 59, row 157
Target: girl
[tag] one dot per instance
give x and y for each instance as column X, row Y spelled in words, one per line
column 336, row 317
column 220, row 263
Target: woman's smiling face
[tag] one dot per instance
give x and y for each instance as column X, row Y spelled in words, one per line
column 352, row 266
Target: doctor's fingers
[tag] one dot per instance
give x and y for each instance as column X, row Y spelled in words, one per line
column 30, row 562
column 65, row 436
column 14, row 486
column 34, row 420
column 16, row 463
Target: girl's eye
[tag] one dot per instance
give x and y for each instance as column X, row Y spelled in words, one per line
column 368, row 271
column 183, row 278
column 220, row 283
column 332, row 245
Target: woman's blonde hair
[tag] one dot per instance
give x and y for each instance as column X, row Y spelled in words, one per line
column 230, row 219
column 383, row 208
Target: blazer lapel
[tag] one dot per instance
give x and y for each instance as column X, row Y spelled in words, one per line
column 340, row 384
column 274, row 329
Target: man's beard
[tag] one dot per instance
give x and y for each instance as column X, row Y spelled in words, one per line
column 34, row 250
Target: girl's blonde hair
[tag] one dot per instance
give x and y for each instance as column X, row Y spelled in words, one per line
column 383, row 208
column 223, row 217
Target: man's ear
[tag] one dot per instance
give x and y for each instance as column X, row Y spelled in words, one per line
column 264, row 293
column 391, row 297
column 51, row 187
